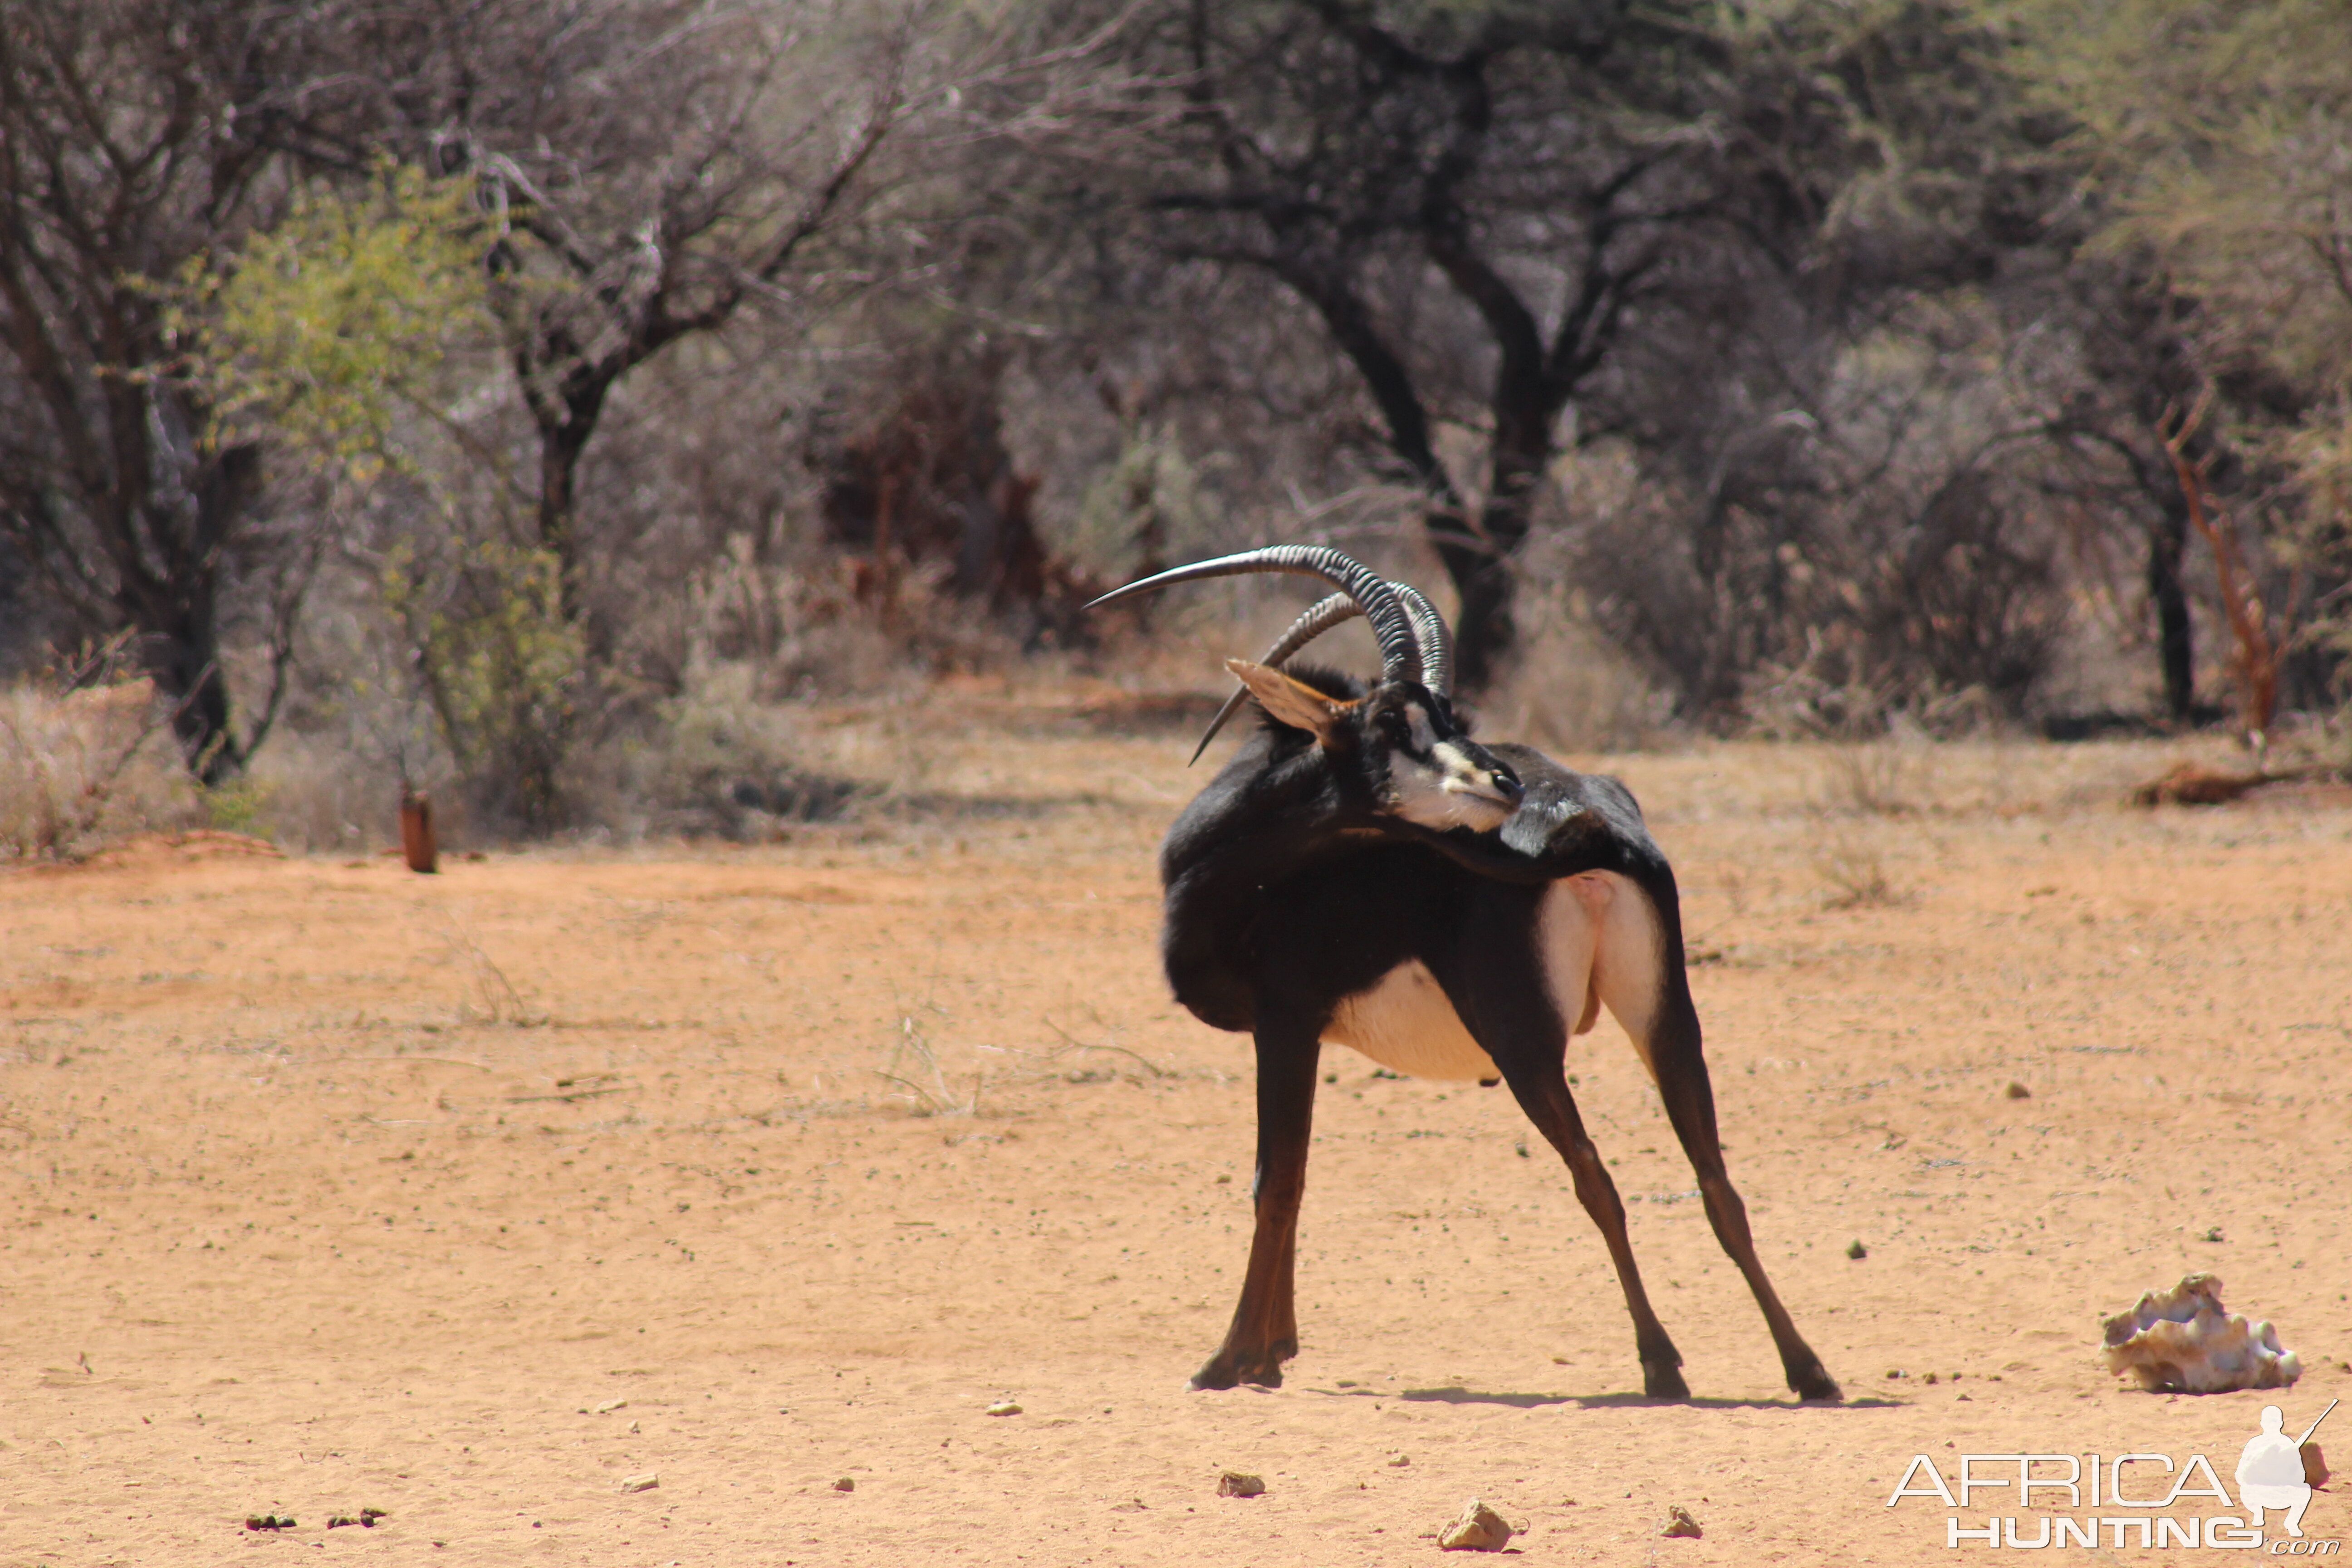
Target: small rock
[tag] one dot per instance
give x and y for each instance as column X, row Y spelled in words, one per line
column 845, row 1485
column 2212, row 1235
column 612, row 1405
column 1234, row 1483
column 633, row 1426
column 1004, row 1408
column 1399, row 1462
column 339, row 1521
column 1480, row 1529
column 1930, row 1378
column 1679, row 1523
column 644, row 1483
column 1133, row 1505
column 2017, row 1090
column 1856, row 1251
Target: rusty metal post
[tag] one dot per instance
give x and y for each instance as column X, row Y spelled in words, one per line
column 416, row 830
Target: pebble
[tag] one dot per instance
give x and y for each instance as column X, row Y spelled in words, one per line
column 1679, row 1523
column 2017, row 1090
column 845, row 1485
column 1480, row 1529
column 1857, row 1251
column 1004, row 1408
column 1234, row 1483
column 612, row 1405
column 644, row 1483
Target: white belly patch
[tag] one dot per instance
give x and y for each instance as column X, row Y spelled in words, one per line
column 1406, row 1024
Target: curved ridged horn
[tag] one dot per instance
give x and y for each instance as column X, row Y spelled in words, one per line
column 1400, row 646
column 1436, row 642
column 1337, row 610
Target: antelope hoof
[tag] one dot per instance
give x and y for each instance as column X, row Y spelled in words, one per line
column 1226, row 1369
column 1662, row 1380
column 1813, row 1385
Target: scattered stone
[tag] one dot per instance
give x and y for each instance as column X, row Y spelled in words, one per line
column 2212, row 1235
column 1680, row 1524
column 368, row 1515
column 1480, row 1529
column 1004, row 1408
column 1856, row 1251
column 845, row 1485
column 1234, row 1483
column 1133, row 1505
column 1399, row 1462
column 644, row 1483
column 2184, row 1343
column 2017, row 1090
column 1930, row 1378
column 269, row 1521
column 612, row 1405
column 339, row 1521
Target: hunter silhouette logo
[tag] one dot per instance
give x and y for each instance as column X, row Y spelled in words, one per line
column 2278, row 1472
column 2133, row 1500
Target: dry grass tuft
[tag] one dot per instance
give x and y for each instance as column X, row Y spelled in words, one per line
column 83, row 769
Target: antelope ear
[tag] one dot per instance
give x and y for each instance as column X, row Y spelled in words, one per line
column 1299, row 706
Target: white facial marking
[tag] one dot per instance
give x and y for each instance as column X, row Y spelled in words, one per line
column 1452, row 794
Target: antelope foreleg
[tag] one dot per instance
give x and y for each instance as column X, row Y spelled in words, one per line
column 1265, row 1331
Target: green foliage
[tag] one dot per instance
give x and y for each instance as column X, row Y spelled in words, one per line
column 2219, row 133
column 499, row 661
column 235, row 807
column 321, row 327
column 1144, row 505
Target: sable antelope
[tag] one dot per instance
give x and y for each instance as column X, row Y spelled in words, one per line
column 1364, row 873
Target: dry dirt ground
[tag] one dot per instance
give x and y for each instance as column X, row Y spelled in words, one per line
column 765, row 1170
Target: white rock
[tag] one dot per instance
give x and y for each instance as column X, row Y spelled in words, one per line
column 2183, row 1341
column 1480, row 1529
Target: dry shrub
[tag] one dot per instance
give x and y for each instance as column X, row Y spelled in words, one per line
column 1876, row 778
column 1852, row 869
column 721, row 761
column 84, row 768
column 1567, row 689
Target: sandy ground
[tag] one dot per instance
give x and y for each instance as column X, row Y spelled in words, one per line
column 467, row 1198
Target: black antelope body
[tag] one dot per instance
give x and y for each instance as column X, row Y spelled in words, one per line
column 1364, row 873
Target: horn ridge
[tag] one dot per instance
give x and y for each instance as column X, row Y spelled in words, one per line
column 1431, row 635
column 1337, row 610
column 1401, row 651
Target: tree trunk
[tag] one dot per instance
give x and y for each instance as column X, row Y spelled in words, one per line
column 1483, row 569
column 2175, row 650
column 562, row 441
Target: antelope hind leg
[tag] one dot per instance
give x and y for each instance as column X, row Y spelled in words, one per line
column 1638, row 973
